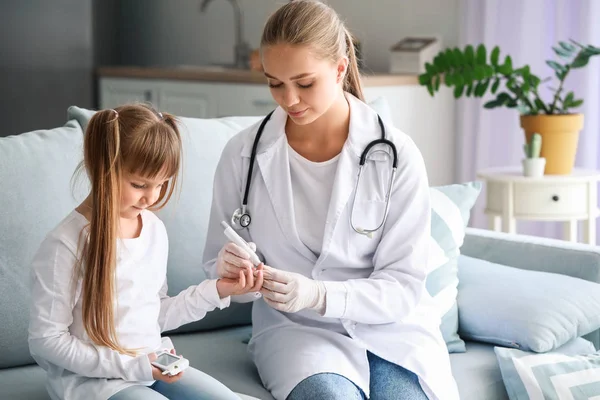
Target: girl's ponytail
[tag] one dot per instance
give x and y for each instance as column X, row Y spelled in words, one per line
column 101, row 154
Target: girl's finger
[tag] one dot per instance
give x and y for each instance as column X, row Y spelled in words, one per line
column 242, row 279
column 250, row 277
column 258, row 283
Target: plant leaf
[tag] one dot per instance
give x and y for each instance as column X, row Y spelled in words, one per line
column 580, row 61
column 562, row 53
column 495, row 55
column 539, row 104
column 481, row 88
column 481, row 54
column 495, row 85
column 576, row 103
column 534, row 81
column 508, row 61
column 569, row 98
column 458, row 79
column 593, row 50
column 430, row 69
column 448, row 80
column 469, row 90
column 459, row 57
column 450, row 59
column 506, row 68
column 439, row 62
column 469, row 55
column 556, row 66
column 491, row 104
column 424, row 79
column 567, row 46
column 438, row 80
column 458, row 91
column 479, row 72
column 524, row 109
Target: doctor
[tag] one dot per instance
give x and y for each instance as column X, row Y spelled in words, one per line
column 342, row 315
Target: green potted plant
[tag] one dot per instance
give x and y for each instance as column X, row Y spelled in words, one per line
column 471, row 73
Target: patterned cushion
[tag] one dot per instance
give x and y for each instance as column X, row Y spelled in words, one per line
column 450, row 211
column 558, row 375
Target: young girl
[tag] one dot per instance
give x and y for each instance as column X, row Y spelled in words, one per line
column 99, row 288
column 344, row 315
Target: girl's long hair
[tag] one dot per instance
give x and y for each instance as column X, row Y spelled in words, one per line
column 136, row 139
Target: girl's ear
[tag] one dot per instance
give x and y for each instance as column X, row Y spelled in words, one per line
column 342, row 68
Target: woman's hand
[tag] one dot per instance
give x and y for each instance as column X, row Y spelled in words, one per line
column 248, row 280
column 157, row 374
column 231, row 259
column 291, row 292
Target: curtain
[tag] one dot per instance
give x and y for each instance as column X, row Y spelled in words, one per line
column 526, row 30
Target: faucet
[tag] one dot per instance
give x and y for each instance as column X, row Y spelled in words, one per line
column 242, row 48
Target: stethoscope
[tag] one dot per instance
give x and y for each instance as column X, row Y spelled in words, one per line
column 241, row 217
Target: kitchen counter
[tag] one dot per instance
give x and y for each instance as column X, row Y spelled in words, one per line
column 227, row 75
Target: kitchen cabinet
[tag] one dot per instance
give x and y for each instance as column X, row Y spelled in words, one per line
column 428, row 120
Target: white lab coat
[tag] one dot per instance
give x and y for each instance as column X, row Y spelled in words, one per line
column 376, row 291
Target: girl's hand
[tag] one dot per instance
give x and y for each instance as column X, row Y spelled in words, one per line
column 157, row 374
column 249, row 280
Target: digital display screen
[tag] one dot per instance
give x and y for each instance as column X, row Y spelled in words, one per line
column 166, row 359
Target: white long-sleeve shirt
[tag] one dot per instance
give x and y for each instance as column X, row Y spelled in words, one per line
column 78, row 368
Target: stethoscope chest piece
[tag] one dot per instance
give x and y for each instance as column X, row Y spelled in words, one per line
column 240, row 218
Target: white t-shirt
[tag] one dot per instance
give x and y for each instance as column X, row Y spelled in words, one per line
column 312, row 183
column 76, row 367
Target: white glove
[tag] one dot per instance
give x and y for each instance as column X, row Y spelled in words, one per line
column 232, row 258
column 291, row 292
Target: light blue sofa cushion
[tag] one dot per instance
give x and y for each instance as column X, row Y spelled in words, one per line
column 35, row 171
column 450, row 211
column 186, row 215
column 529, row 310
column 570, row 372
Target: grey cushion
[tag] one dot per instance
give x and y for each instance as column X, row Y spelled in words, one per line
column 477, row 373
column 23, row 383
column 35, row 171
column 223, row 355
column 220, row 353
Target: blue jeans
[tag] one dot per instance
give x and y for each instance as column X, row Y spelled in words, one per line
column 193, row 385
column 388, row 381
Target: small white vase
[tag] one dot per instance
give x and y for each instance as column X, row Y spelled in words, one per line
column 534, row 167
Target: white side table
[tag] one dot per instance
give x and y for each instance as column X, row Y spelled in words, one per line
column 569, row 198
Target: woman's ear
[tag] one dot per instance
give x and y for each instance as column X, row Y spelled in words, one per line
column 342, row 68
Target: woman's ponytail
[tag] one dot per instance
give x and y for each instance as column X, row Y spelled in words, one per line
column 352, row 82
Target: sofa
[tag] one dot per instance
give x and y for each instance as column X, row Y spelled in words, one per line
column 36, row 171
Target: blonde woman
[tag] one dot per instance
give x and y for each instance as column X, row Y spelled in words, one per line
column 99, row 289
column 344, row 312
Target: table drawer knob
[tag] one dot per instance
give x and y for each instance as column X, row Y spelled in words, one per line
column 555, row 198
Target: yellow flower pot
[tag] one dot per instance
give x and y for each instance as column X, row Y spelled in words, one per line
column 560, row 134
